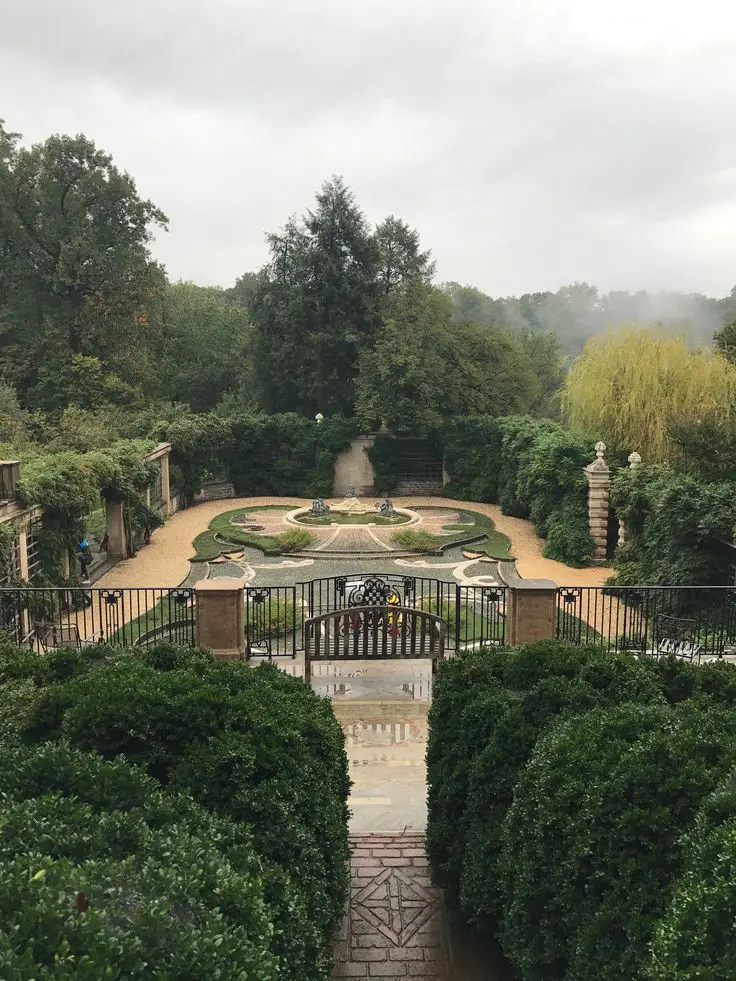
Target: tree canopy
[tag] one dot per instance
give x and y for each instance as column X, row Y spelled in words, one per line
column 636, row 385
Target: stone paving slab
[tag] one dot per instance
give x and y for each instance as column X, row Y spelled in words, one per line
column 394, row 927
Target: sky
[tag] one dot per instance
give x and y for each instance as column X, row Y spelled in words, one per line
column 532, row 143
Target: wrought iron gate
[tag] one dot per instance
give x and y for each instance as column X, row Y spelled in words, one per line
column 276, row 616
column 364, row 632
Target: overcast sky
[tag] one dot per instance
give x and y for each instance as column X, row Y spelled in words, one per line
column 532, row 142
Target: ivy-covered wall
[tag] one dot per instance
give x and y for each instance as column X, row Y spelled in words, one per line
column 284, row 455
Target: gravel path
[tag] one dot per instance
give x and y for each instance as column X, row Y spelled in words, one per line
column 165, row 562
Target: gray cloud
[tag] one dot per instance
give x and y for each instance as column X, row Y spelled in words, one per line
column 532, row 145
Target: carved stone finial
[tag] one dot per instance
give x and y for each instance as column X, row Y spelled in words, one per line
column 634, row 460
column 600, row 449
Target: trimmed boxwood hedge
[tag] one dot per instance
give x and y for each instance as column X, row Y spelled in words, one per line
column 591, row 848
column 103, row 874
column 562, row 781
column 695, row 939
column 253, row 745
column 488, row 710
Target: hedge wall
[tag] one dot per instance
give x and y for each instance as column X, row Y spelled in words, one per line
column 591, row 848
column 533, row 468
column 488, row 710
column 252, row 745
column 695, row 938
column 568, row 846
column 284, row 455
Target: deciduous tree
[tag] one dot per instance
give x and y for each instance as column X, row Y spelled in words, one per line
column 632, row 385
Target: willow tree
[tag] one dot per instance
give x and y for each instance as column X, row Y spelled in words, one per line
column 635, row 386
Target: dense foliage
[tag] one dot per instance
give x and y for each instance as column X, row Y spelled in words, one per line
column 592, row 844
column 533, row 467
column 253, row 745
column 488, row 710
column 636, row 385
column 695, row 939
column 95, row 853
column 279, row 454
column 561, row 780
column 675, row 527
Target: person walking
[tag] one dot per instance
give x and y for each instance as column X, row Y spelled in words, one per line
column 85, row 557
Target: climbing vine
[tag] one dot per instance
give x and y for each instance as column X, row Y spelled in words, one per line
column 68, row 486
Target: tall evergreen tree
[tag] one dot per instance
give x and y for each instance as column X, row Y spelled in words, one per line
column 316, row 307
column 400, row 259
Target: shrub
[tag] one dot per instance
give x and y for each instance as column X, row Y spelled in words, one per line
column 293, row 541
column 94, row 856
column 417, row 541
column 502, row 700
column 695, row 939
column 674, row 523
column 591, row 846
column 472, row 449
column 252, row 744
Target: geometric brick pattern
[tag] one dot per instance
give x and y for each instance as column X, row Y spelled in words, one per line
column 394, row 927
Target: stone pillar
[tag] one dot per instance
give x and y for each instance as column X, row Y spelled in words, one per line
column 599, row 488
column 634, row 462
column 165, row 485
column 220, row 622
column 445, row 474
column 115, row 530
column 23, row 552
column 531, row 607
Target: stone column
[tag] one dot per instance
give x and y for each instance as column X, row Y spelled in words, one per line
column 165, row 485
column 220, row 623
column 634, row 462
column 599, row 488
column 531, row 607
column 23, row 551
column 115, row 530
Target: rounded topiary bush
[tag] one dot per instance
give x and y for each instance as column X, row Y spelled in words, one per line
column 254, row 745
column 600, row 680
column 696, row 939
column 591, row 846
column 103, row 874
column 488, row 709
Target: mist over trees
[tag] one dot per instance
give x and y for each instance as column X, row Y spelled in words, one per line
column 577, row 312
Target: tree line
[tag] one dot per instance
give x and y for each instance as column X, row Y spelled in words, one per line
column 343, row 318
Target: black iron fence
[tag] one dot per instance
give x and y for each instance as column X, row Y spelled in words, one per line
column 689, row 621
column 275, row 616
column 49, row 618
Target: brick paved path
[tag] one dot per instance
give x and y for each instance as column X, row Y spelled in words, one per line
column 394, row 927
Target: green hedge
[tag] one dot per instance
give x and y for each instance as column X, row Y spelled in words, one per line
column 675, row 524
column 253, row 745
column 533, row 468
column 695, row 939
column 488, row 710
column 94, row 856
column 283, row 455
column 571, row 848
column 592, row 846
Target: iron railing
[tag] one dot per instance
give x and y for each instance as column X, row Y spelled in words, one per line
column 691, row 621
column 50, row 618
column 275, row 616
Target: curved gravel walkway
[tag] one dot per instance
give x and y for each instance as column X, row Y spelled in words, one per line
column 165, row 562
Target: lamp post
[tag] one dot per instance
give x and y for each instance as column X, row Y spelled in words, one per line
column 319, row 418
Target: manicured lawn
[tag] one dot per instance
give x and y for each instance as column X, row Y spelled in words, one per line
column 237, row 536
